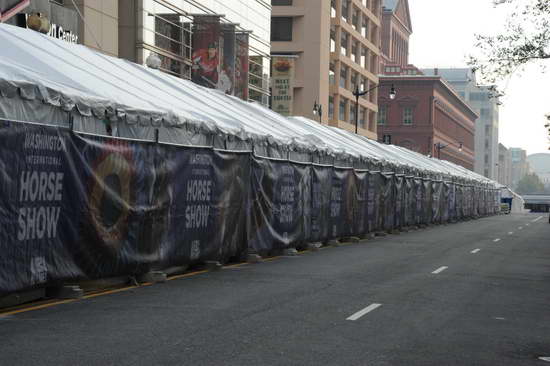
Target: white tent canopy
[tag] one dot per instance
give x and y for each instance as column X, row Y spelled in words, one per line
column 45, row 80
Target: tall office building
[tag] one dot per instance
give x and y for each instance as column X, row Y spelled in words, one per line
column 520, row 166
column 504, row 166
column 334, row 45
column 481, row 99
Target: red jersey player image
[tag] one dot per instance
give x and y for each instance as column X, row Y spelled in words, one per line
column 206, row 66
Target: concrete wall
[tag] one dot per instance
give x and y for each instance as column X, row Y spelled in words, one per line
column 100, row 29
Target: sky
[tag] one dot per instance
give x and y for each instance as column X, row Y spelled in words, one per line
column 443, row 36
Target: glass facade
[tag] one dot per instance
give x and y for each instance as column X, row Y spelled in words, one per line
column 164, row 27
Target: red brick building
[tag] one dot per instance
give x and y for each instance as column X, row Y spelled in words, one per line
column 396, row 30
column 427, row 113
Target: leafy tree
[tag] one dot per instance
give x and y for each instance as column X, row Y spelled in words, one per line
column 525, row 40
column 530, row 183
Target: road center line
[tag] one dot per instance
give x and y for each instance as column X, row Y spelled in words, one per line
column 475, row 251
column 440, row 269
column 538, row 218
column 496, row 240
column 366, row 310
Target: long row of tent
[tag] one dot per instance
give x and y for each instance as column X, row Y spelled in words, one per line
column 50, row 80
column 189, row 175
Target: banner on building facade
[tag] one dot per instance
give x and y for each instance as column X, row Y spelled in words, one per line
column 228, row 47
column 241, row 66
column 282, row 84
column 206, row 59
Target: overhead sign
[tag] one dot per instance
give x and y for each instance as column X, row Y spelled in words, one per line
column 8, row 8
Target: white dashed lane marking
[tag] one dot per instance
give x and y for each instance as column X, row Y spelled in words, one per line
column 440, row 269
column 496, row 240
column 475, row 251
column 366, row 310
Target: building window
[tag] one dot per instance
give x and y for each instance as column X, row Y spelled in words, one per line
column 365, row 27
column 173, row 36
column 332, row 39
column 364, row 63
column 407, row 116
column 281, row 2
column 484, row 112
column 364, row 86
column 330, row 107
column 343, row 76
column 355, row 51
column 356, row 17
column 345, row 10
column 332, row 74
column 382, row 114
column 362, row 117
column 281, row 29
column 354, row 80
column 352, row 113
column 342, row 109
column 333, row 8
column 344, row 43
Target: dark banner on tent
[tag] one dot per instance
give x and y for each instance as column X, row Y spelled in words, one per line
column 208, row 193
column 241, row 66
column 437, row 188
column 206, row 50
column 37, row 211
column 388, row 201
column 419, row 200
column 342, row 195
column 399, row 202
column 373, row 201
column 410, row 202
column 74, row 207
column 360, row 209
column 277, row 217
column 321, row 185
column 427, row 199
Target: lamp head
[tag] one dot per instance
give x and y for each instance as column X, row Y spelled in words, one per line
column 392, row 92
column 460, row 146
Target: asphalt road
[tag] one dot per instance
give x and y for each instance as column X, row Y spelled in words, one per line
column 428, row 297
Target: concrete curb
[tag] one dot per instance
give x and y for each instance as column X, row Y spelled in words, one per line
column 152, row 277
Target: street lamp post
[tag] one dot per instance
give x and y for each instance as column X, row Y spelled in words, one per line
column 358, row 94
column 440, row 147
column 318, row 109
